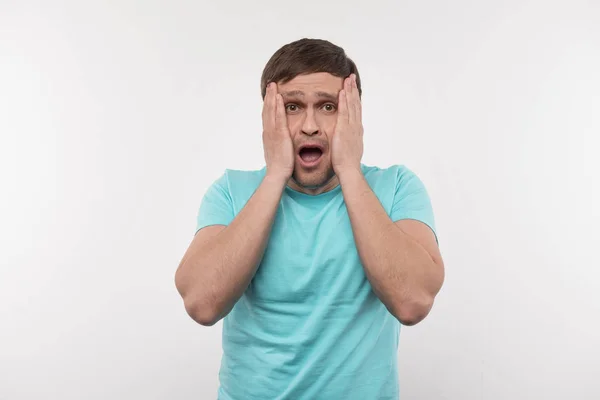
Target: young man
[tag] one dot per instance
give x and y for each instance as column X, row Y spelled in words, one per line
column 315, row 260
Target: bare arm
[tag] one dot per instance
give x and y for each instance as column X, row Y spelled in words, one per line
column 221, row 261
column 401, row 260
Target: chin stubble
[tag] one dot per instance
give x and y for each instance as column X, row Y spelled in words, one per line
column 317, row 186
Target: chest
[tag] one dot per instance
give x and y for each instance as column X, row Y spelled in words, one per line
column 311, row 256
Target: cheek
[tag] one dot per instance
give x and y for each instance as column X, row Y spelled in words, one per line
column 294, row 124
column 327, row 124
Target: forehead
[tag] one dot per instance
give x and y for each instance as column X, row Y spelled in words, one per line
column 311, row 84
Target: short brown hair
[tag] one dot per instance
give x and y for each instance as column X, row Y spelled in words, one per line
column 307, row 56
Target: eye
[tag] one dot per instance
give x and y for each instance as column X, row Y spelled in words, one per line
column 329, row 107
column 292, row 108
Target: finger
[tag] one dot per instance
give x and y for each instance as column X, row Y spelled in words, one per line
column 269, row 108
column 280, row 117
column 348, row 84
column 342, row 108
column 265, row 102
column 266, row 98
column 349, row 96
column 357, row 103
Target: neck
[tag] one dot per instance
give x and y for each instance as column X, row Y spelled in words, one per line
column 328, row 185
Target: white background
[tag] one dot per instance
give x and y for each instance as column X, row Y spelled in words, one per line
column 116, row 116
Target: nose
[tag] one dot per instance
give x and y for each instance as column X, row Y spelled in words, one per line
column 309, row 125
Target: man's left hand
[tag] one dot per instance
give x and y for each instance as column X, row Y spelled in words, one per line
column 347, row 141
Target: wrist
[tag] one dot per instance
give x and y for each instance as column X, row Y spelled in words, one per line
column 276, row 179
column 348, row 173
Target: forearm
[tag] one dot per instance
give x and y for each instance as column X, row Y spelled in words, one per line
column 401, row 272
column 218, row 271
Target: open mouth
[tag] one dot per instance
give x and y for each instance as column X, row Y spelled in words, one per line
column 310, row 155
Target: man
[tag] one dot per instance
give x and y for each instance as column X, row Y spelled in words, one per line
column 316, row 259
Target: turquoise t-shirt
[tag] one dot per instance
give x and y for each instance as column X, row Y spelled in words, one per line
column 309, row 326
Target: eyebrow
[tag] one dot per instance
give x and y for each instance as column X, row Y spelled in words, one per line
column 300, row 93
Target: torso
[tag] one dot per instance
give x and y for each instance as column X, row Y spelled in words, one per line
column 309, row 325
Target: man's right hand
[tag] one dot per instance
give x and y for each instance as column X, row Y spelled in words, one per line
column 277, row 140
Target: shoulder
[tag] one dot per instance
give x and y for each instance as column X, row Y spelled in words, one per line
column 238, row 186
column 393, row 176
column 403, row 192
column 235, row 179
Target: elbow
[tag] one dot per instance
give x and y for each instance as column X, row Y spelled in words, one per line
column 411, row 312
column 197, row 309
column 417, row 307
column 200, row 313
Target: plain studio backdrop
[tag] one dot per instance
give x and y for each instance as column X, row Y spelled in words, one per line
column 115, row 117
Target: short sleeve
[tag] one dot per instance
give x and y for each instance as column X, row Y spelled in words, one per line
column 216, row 207
column 411, row 200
